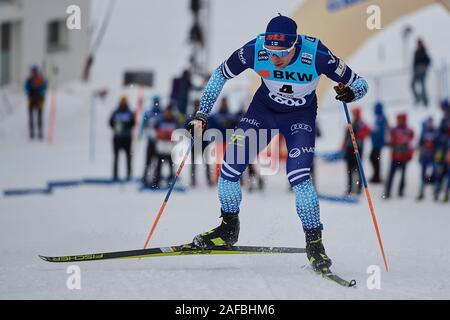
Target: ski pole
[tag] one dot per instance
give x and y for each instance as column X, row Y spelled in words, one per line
column 166, row 199
column 366, row 188
column 52, row 117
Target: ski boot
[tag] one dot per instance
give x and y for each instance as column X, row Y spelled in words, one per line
column 420, row 196
column 315, row 250
column 436, row 195
column 224, row 235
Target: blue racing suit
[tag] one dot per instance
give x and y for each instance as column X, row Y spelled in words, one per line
column 286, row 100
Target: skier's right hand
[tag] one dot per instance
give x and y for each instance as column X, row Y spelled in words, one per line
column 344, row 93
column 197, row 126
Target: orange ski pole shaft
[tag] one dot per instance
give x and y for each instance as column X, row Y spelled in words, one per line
column 52, row 117
column 166, row 199
column 366, row 187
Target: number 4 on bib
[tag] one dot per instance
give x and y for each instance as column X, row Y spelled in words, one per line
column 286, row 89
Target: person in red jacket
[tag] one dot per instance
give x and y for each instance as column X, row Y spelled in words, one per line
column 362, row 131
column 165, row 126
column 401, row 152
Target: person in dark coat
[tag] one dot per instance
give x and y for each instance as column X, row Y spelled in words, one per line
column 378, row 137
column 122, row 122
column 401, row 138
column 35, row 88
column 420, row 68
column 181, row 88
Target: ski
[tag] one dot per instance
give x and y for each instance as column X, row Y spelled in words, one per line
column 331, row 276
column 185, row 249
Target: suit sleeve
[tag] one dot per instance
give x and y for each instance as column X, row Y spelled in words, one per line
column 239, row 61
column 337, row 70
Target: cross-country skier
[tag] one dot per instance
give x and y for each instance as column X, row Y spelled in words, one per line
column 290, row 66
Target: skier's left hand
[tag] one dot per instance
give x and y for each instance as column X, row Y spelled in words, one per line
column 344, row 93
column 197, row 126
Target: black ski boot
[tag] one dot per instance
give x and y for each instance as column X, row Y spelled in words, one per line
column 315, row 250
column 436, row 195
column 420, row 196
column 224, row 235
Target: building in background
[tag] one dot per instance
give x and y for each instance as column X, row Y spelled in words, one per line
column 35, row 33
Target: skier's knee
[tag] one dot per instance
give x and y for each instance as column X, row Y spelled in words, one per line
column 298, row 176
column 230, row 173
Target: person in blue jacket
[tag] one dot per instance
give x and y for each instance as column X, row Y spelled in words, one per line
column 427, row 151
column 441, row 161
column 378, row 136
column 149, row 119
column 290, row 66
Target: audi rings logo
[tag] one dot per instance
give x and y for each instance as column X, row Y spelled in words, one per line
column 300, row 126
column 289, row 102
column 294, row 153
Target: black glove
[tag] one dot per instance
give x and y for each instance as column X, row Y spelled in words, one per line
column 344, row 93
column 199, row 116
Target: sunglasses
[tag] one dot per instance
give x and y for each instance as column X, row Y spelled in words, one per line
column 279, row 53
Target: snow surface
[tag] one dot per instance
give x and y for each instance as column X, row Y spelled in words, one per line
column 94, row 219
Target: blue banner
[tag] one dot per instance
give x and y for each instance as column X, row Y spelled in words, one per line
column 335, row 5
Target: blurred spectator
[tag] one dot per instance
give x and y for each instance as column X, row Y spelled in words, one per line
column 35, row 88
column 254, row 179
column 427, row 150
column 204, row 144
column 361, row 131
column 148, row 129
column 443, row 146
column 240, row 113
column 378, row 137
column 180, row 93
column 122, row 122
column 164, row 126
column 447, row 162
column 420, row 67
column 222, row 120
column 401, row 138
